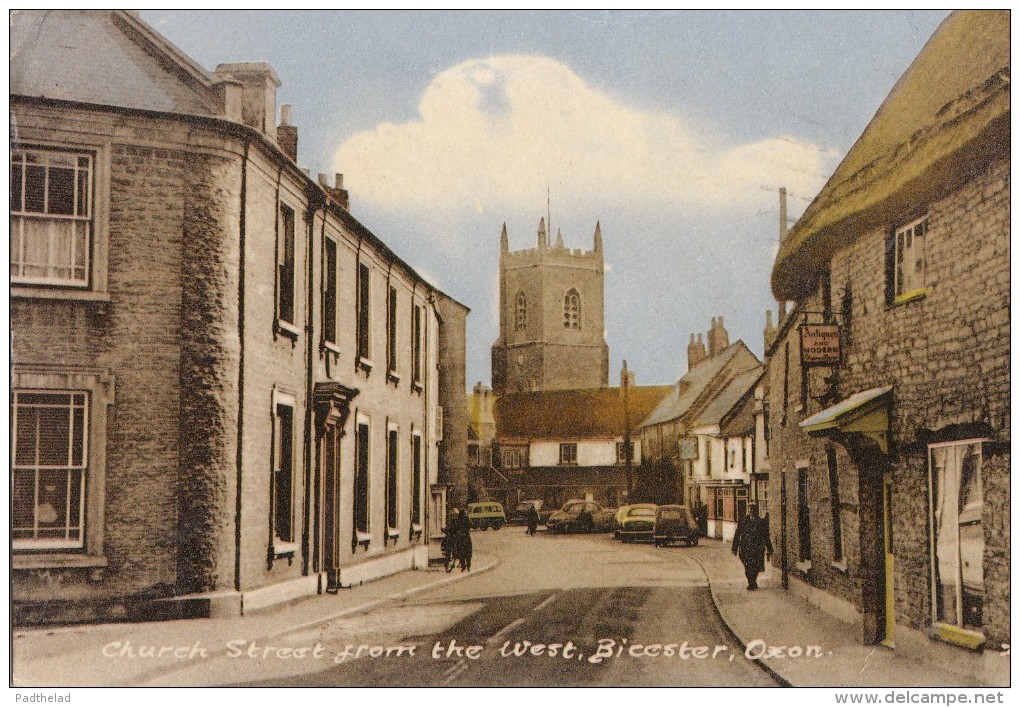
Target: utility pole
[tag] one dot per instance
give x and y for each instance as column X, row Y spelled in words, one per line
column 627, row 449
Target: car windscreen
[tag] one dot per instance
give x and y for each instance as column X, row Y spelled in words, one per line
column 641, row 512
column 573, row 507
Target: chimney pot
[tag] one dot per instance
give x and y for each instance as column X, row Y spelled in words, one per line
column 323, row 179
column 338, row 181
column 286, row 114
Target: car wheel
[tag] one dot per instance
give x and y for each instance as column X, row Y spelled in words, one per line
column 497, row 526
column 695, row 543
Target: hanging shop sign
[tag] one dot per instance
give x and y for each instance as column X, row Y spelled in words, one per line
column 819, row 345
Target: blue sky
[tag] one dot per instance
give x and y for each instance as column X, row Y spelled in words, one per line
column 672, row 128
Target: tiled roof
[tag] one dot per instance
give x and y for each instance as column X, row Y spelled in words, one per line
column 590, row 413
column 945, row 118
column 692, row 386
column 728, row 398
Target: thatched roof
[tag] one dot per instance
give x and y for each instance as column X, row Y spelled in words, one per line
column 945, row 119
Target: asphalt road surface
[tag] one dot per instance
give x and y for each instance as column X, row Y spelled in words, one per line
column 575, row 610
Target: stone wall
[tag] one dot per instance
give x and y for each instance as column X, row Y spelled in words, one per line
column 947, row 355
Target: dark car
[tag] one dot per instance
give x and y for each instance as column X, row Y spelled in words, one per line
column 578, row 516
column 673, row 524
column 519, row 514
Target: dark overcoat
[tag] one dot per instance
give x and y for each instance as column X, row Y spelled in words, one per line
column 460, row 537
column 751, row 541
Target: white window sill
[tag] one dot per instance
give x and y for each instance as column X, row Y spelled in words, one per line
column 23, row 292
column 330, row 346
column 804, row 567
column 52, row 560
column 282, row 549
column 392, row 534
column 392, row 377
column 417, row 386
column 287, row 329
column 365, row 364
column 841, row 565
column 363, row 539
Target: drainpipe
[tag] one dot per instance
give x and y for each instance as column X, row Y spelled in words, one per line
column 315, row 200
column 242, row 233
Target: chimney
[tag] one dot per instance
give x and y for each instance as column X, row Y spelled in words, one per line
column 770, row 330
column 782, row 214
column 336, row 193
column 695, row 352
column 228, row 91
column 286, row 133
column 258, row 93
column 718, row 338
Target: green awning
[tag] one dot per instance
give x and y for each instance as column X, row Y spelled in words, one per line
column 865, row 413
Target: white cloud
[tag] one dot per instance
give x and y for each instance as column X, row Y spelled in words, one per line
column 495, row 132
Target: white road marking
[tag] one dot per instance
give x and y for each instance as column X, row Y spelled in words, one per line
column 548, row 601
column 506, row 629
column 460, row 663
column 461, row 667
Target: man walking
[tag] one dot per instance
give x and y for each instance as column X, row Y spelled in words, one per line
column 752, row 544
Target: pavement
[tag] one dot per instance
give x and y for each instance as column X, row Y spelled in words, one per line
column 771, row 617
column 795, row 641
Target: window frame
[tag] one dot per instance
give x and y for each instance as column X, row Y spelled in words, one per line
column 362, row 496
column 572, row 310
column 568, row 453
column 416, row 478
column 97, row 289
column 100, row 387
column 391, row 333
column 957, row 632
column 364, row 315
column 520, row 311
column 804, row 549
column 286, row 322
column 37, row 469
column 392, row 477
column 905, row 288
column 24, row 215
column 417, row 330
column 283, row 504
column 838, row 545
column 330, row 299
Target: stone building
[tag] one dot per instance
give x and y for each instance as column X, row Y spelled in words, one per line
column 226, row 391
column 551, row 317
column 693, row 422
column 888, row 385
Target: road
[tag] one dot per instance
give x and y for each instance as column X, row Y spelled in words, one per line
column 577, row 610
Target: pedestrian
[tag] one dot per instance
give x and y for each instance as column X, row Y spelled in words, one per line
column 752, row 544
column 460, row 538
column 532, row 519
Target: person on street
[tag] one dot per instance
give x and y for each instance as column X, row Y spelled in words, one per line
column 532, row 519
column 460, row 538
column 752, row 544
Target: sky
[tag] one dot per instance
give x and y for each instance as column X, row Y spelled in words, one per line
column 673, row 129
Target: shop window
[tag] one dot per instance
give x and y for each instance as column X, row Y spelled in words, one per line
column 957, row 534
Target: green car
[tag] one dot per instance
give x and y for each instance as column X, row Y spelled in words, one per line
column 485, row 515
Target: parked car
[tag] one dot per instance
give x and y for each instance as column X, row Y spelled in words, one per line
column 578, row 516
column 635, row 521
column 520, row 512
column 485, row 515
column 673, row 524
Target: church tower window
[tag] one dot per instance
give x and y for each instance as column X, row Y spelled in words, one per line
column 521, row 320
column 572, row 310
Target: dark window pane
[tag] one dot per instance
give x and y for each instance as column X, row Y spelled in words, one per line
column 35, row 189
column 16, row 192
column 24, row 445
column 23, row 500
column 83, row 194
column 54, row 431
column 78, row 437
column 51, row 511
column 61, row 191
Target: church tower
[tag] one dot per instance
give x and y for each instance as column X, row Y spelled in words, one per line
column 551, row 317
